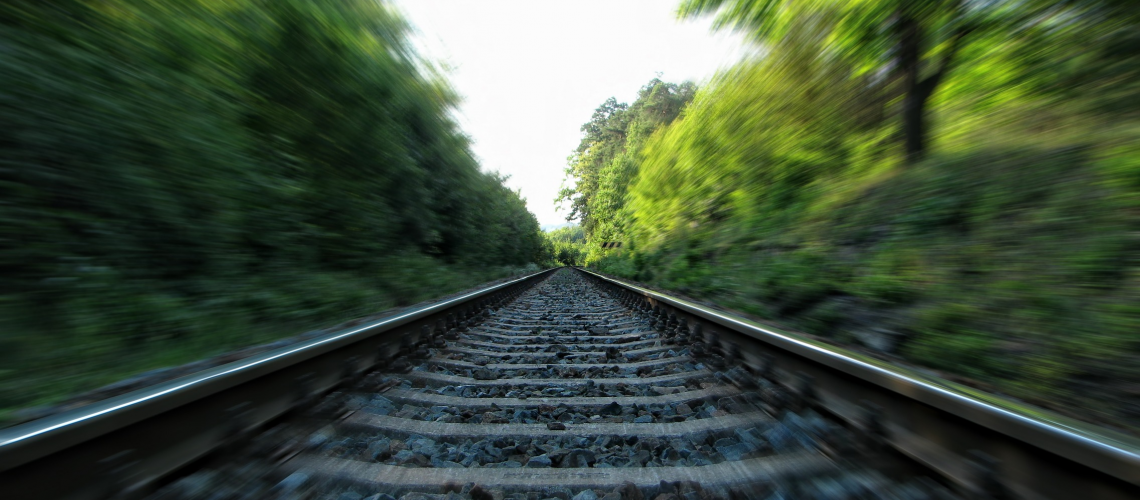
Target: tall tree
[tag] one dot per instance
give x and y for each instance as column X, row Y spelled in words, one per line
column 178, row 170
column 603, row 139
column 605, row 161
column 915, row 41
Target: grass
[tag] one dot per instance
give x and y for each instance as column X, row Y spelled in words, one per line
column 110, row 328
column 1016, row 268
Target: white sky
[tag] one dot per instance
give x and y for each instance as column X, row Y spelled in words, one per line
column 532, row 72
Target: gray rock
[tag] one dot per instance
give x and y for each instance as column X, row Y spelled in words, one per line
column 644, row 419
column 612, row 409
column 470, row 459
column 349, row 495
column 629, row 491
column 484, row 374
column 291, row 483
column 706, row 411
column 586, row 495
column 698, row 459
column 724, row 442
column 538, row 461
column 641, row 457
column 736, row 451
column 803, row 429
column 381, row 405
column 380, row 450
column 578, row 457
column 403, row 456
column 479, row 493
column 698, row 438
column 423, row 445
column 751, row 436
column 560, row 493
column 780, row 438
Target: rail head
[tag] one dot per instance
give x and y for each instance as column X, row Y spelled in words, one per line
column 34, row 440
column 1103, row 450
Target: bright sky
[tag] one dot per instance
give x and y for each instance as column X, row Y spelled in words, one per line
column 532, row 72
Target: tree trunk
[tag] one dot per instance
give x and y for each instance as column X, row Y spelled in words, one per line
column 914, row 123
column 916, row 88
column 914, row 102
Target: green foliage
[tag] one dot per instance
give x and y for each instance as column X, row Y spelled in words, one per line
column 181, row 178
column 762, row 166
column 567, row 246
column 1008, row 255
column 945, row 339
column 606, row 160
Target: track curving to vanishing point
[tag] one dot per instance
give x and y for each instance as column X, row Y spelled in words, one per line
column 572, row 392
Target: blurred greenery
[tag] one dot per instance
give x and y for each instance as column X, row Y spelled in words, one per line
column 566, row 246
column 1001, row 245
column 605, row 162
column 184, row 178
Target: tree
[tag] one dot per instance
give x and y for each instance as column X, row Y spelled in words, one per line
column 175, row 173
column 606, row 160
column 917, row 42
column 604, row 136
column 566, row 245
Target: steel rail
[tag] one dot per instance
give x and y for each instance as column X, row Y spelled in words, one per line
column 131, row 441
column 938, row 423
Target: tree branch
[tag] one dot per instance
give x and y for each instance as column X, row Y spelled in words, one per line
column 931, row 82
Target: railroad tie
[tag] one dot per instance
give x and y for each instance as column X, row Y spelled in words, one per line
column 574, row 391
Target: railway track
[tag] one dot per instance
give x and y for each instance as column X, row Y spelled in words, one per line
column 562, row 385
column 563, row 393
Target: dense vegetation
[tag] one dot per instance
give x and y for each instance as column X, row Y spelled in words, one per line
column 606, row 161
column 955, row 183
column 566, row 246
column 183, row 178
